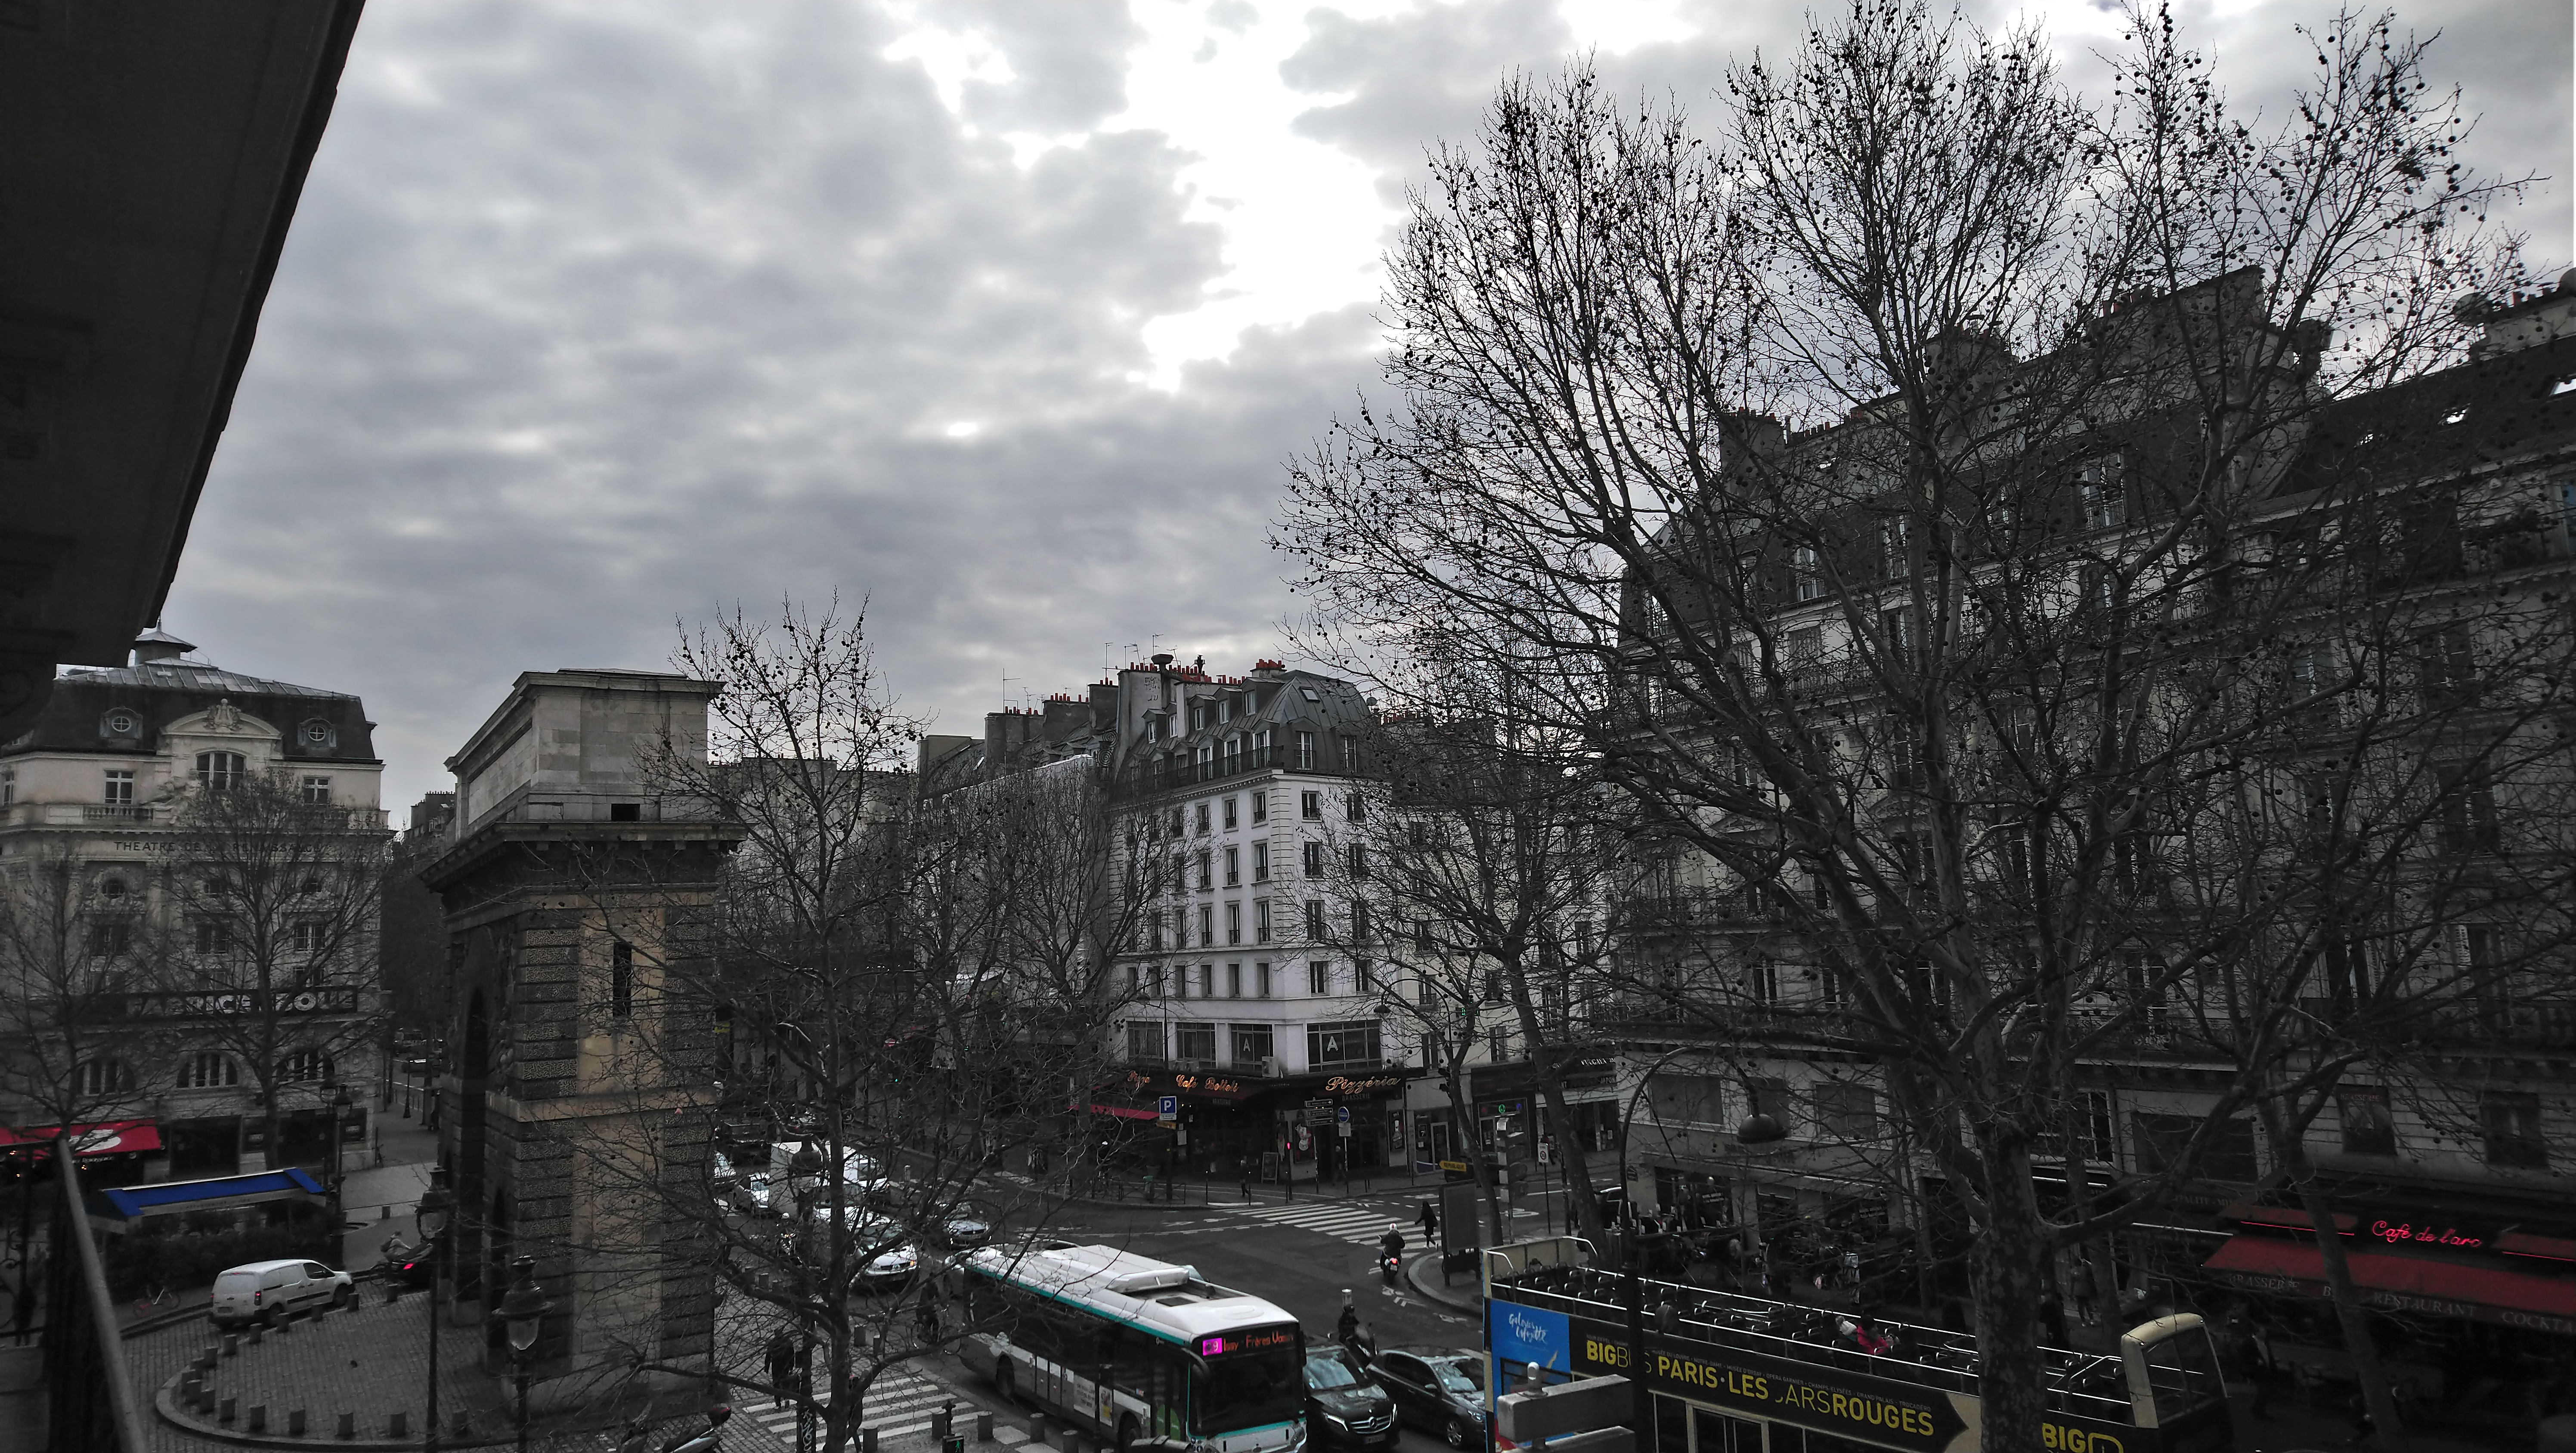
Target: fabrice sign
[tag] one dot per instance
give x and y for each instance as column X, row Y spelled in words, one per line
column 221, row 1006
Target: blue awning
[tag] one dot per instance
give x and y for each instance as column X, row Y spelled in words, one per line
column 116, row 1207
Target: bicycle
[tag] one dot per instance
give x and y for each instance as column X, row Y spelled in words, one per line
column 143, row 1305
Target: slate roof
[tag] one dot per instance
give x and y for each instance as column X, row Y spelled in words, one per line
column 161, row 692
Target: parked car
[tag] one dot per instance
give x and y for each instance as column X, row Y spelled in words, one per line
column 756, row 1194
column 965, row 1227
column 720, row 1174
column 270, row 1291
column 1345, row 1408
column 1437, row 1389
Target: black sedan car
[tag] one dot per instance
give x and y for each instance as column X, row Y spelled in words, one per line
column 1345, row 1408
column 1437, row 1389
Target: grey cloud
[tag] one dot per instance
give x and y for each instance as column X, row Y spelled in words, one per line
column 593, row 319
column 1067, row 58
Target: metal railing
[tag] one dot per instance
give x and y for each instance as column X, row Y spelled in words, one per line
column 89, row 1392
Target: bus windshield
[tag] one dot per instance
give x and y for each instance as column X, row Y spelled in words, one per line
column 1246, row 1390
column 2183, row 1371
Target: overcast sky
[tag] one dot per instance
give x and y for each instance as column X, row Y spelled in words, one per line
column 1001, row 314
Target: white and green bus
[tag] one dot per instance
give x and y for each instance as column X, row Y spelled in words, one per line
column 1142, row 1353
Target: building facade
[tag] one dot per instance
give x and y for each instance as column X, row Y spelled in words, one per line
column 209, row 959
column 574, row 1111
column 1251, row 998
column 2447, row 1151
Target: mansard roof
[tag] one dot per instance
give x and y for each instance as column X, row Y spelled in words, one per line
column 315, row 725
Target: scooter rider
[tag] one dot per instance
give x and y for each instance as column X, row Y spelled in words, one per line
column 1390, row 1251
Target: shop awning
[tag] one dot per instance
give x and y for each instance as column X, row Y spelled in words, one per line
column 2498, row 1294
column 117, row 1207
column 1125, row 1112
column 113, row 1137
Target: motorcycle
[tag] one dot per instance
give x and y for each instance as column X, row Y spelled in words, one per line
column 1387, row 1263
column 406, row 1263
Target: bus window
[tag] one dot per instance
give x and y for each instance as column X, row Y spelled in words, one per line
column 2182, row 1373
column 1151, row 1373
column 1719, row 1433
column 1243, row 1390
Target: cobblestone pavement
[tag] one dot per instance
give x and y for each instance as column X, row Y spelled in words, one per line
column 369, row 1361
column 373, row 1360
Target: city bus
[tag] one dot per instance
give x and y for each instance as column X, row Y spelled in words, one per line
column 1141, row 1353
column 1739, row 1374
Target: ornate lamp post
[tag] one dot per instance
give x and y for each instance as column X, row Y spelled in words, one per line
column 804, row 1174
column 437, row 1208
column 523, row 1313
column 339, row 1162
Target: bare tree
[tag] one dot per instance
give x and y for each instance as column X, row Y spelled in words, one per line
column 71, row 948
column 1488, row 864
column 901, row 989
column 271, row 901
column 1983, row 628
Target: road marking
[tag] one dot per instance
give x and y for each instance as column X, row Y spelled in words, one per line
column 1347, row 1223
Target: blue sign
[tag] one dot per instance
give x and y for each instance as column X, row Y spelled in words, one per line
column 1345, row 1114
column 1168, row 1107
column 1527, row 1334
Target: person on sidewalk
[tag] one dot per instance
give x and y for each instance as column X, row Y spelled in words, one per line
column 2260, row 1370
column 782, row 1366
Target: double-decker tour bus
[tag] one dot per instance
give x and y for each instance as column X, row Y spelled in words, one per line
column 1142, row 1353
column 1739, row 1374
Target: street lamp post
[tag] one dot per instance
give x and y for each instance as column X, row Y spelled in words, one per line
column 523, row 1313
column 804, row 1174
column 437, row 1207
column 339, row 1167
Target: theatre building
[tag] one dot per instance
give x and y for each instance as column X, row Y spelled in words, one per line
column 150, row 992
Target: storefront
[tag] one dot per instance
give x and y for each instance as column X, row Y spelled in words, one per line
column 112, row 1152
column 1327, row 1125
column 2470, row 1291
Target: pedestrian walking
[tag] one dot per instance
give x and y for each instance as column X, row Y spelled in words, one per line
column 1430, row 1223
column 782, row 1366
column 2261, row 1370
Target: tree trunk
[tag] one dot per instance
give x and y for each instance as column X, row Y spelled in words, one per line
column 1462, row 1126
column 1569, row 1151
column 2006, row 1261
column 2377, row 1398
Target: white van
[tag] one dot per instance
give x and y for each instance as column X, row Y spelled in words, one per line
column 267, row 1291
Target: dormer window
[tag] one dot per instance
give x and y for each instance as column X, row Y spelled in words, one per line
column 318, row 735
column 219, row 771
column 121, row 721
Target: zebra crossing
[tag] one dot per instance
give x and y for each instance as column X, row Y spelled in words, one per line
column 901, row 1402
column 1358, row 1225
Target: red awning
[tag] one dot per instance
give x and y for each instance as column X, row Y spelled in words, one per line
column 2405, row 1283
column 1125, row 1112
column 113, row 1137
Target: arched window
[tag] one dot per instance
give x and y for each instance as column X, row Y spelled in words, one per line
column 208, row 1070
column 219, row 771
column 105, row 1077
column 305, row 1066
